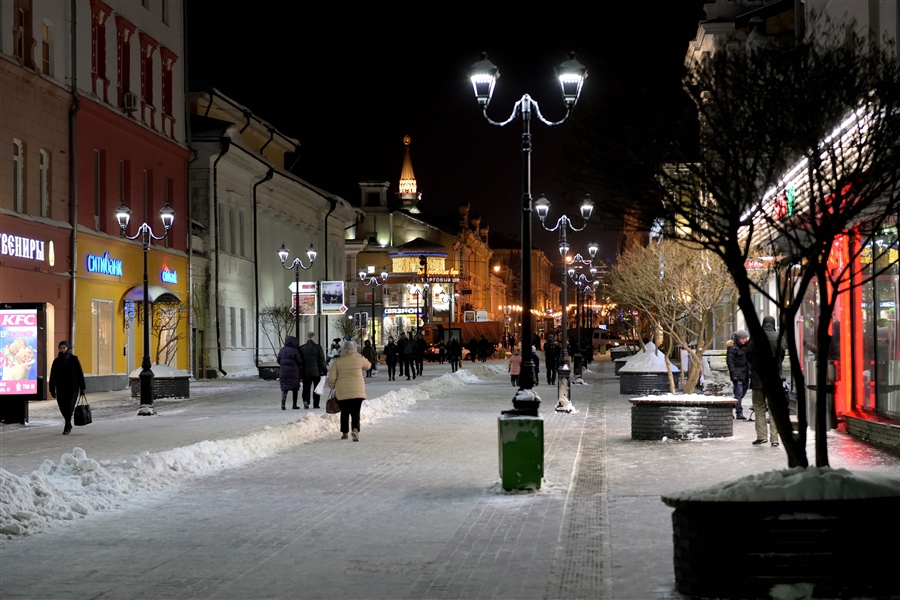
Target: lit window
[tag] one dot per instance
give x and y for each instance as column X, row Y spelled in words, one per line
column 45, row 49
column 102, row 315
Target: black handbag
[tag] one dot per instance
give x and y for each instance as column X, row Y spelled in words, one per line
column 82, row 414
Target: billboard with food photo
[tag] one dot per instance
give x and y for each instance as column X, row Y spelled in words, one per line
column 19, row 334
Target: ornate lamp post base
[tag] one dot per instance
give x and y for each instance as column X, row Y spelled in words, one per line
column 564, row 389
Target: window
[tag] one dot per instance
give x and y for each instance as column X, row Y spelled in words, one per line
column 45, row 49
column 233, row 329
column 23, row 38
column 102, row 337
column 18, row 176
column 148, row 46
column 167, row 62
column 124, row 33
column 165, row 12
column 99, row 14
column 44, row 182
column 223, row 239
column 166, row 183
column 243, row 328
column 232, row 234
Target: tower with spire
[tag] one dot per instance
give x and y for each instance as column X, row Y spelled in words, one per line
column 408, row 192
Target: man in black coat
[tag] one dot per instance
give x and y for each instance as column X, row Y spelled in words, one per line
column 405, row 351
column 66, row 382
column 760, row 400
column 313, row 368
column 738, row 370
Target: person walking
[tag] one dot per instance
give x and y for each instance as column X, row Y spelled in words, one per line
column 420, row 345
column 405, row 348
column 333, row 351
column 472, row 347
column 761, row 402
column 390, row 358
column 738, row 370
column 514, row 364
column 66, row 382
column 485, row 348
column 314, row 368
column 551, row 359
column 345, row 378
column 290, row 364
column 454, row 354
column 537, row 365
column 442, row 352
column 368, row 353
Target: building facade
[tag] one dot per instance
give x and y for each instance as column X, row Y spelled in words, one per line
column 245, row 205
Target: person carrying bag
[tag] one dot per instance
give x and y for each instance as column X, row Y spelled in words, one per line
column 346, row 379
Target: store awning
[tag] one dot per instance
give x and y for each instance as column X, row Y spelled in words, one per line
column 155, row 293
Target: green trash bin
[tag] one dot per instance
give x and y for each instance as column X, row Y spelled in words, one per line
column 502, row 354
column 521, row 451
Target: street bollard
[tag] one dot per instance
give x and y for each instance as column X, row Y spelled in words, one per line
column 521, row 451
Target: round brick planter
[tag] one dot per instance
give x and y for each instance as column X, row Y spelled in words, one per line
column 636, row 383
column 654, row 419
column 743, row 549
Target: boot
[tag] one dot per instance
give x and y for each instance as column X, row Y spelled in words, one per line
column 283, row 400
column 344, row 436
column 355, row 435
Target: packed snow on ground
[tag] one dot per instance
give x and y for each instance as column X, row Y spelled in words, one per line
column 798, row 483
column 668, row 397
column 647, row 360
column 78, row 485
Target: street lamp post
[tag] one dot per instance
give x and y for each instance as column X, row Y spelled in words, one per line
column 542, row 207
column 123, row 215
column 296, row 265
column 373, row 283
column 581, row 283
column 483, row 75
column 413, row 290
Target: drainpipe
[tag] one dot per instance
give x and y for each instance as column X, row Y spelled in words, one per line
column 333, row 202
column 269, row 141
column 226, row 144
column 73, row 168
column 269, row 174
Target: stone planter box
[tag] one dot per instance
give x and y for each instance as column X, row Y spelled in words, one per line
column 619, row 363
column 268, row 371
column 743, row 549
column 617, row 353
column 653, row 419
column 164, row 386
column 637, row 383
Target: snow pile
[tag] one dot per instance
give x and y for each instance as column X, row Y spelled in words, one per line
column 647, row 360
column 811, row 483
column 77, row 485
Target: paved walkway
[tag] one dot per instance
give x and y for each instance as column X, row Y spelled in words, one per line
column 412, row 511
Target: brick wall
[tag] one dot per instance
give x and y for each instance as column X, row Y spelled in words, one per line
column 164, row 387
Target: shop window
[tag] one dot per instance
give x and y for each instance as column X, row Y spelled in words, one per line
column 18, row 176
column 44, row 182
column 45, row 49
column 102, row 337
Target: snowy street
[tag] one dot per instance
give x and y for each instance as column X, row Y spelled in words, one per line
column 227, row 496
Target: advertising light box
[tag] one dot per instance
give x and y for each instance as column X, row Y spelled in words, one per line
column 19, row 333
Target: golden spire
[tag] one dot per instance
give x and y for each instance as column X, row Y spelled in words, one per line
column 408, row 189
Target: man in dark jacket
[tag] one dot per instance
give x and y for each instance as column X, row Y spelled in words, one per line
column 405, row 348
column 289, row 364
column 760, row 400
column 66, row 382
column 739, row 370
column 551, row 359
column 313, row 368
column 419, row 347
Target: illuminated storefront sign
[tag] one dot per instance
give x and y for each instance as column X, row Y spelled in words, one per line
column 168, row 276
column 104, row 264
column 21, row 247
column 403, row 311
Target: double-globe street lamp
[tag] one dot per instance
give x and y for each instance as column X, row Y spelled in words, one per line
column 414, row 291
column 296, row 265
column 542, row 208
column 373, row 283
column 483, row 75
column 145, row 232
column 582, row 284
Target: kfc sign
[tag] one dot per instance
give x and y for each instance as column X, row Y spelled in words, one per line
column 18, row 319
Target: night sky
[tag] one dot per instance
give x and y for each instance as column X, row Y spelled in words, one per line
column 349, row 83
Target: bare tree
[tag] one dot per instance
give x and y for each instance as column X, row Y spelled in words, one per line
column 276, row 322
column 799, row 145
column 347, row 327
column 166, row 318
column 677, row 286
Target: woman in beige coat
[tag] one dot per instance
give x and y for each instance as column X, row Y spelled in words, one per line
column 346, row 378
